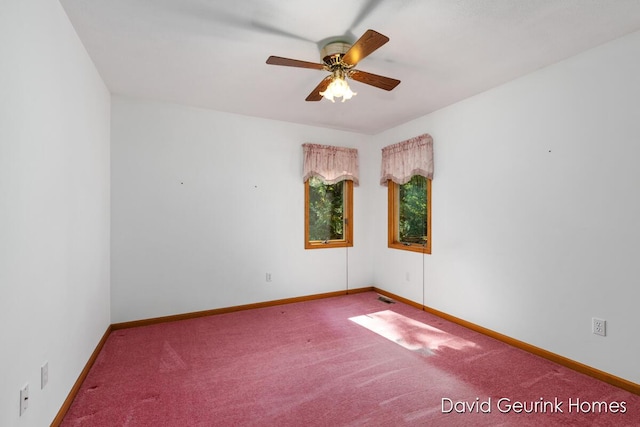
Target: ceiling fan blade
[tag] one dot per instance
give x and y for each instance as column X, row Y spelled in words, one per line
column 315, row 94
column 364, row 46
column 277, row 31
column 365, row 11
column 278, row 60
column 382, row 82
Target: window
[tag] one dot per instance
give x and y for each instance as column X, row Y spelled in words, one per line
column 407, row 170
column 328, row 213
column 410, row 215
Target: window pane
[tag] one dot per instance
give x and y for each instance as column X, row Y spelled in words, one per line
column 412, row 214
column 326, row 210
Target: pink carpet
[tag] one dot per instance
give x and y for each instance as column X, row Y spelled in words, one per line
column 344, row 361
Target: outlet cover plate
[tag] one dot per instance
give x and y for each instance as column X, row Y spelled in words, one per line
column 599, row 326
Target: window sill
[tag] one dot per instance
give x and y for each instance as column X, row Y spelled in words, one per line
column 329, row 244
column 411, row 247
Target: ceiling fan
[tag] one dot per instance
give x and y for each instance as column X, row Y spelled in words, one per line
column 339, row 58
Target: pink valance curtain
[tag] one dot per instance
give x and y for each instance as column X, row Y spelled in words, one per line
column 405, row 159
column 330, row 164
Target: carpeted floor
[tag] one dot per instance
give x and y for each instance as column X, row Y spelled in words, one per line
column 346, row 361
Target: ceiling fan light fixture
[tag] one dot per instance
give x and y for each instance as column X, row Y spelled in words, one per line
column 338, row 88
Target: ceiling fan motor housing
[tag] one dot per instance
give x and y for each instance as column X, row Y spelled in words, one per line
column 333, row 52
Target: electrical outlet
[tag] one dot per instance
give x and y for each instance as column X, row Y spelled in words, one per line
column 268, row 277
column 44, row 374
column 599, row 326
column 24, row 399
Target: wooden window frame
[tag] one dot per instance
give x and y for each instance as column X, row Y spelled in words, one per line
column 348, row 221
column 393, row 221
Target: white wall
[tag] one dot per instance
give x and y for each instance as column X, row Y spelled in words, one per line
column 535, row 209
column 205, row 203
column 54, row 208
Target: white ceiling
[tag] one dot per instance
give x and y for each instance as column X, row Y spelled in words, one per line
column 212, row 53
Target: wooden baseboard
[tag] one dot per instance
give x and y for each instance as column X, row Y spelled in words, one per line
column 195, row 314
column 560, row 360
column 76, row 386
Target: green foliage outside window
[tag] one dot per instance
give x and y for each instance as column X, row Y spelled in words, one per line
column 326, row 210
column 413, row 211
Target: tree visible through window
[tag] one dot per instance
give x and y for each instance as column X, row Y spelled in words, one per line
column 412, row 206
column 328, row 209
column 410, row 215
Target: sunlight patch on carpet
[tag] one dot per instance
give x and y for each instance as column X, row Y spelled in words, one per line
column 409, row 333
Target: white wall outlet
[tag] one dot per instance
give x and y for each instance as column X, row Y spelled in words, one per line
column 599, row 326
column 268, row 277
column 407, row 276
column 24, row 398
column 44, row 374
